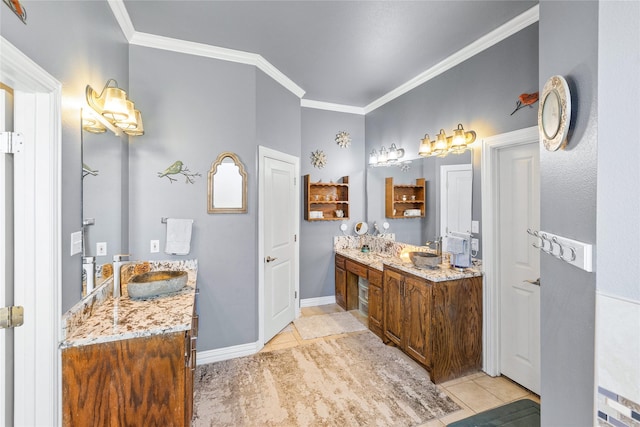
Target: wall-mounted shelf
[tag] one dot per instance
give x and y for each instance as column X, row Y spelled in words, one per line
column 401, row 200
column 326, row 198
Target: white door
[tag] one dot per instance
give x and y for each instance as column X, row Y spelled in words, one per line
column 6, row 261
column 280, row 242
column 456, row 184
column 519, row 264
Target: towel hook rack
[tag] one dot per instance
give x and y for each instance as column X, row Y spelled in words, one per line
column 576, row 253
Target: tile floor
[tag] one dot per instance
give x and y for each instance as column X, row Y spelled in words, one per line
column 473, row 393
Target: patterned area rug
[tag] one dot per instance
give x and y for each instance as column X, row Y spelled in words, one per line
column 323, row 325
column 348, row 381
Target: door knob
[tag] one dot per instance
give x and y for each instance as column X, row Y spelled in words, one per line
column 269, row 259
column 534, row 282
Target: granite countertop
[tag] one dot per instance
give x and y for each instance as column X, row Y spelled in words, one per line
column 379, row 260
column 106, row 319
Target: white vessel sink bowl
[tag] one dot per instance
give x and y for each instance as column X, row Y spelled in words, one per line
column 425, row 259
column 156, row 283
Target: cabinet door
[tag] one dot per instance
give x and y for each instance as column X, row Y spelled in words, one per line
column 392, row 289
column 417, row 304
column 375, row 309
column 341, row 287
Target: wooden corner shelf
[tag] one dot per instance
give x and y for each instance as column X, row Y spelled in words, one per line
column 400, row 198
column 326, row 197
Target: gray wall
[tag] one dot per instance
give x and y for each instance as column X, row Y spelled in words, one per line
column 319, row 129
column 480, row 93
column 84, row 45
column 194, row 109
column 568, row 207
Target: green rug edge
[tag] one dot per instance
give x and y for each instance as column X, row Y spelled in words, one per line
column 521, row 413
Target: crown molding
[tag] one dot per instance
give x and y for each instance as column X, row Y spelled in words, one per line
column 230, row 55
column 511, row 27
column 122, row 16
column 340, row 108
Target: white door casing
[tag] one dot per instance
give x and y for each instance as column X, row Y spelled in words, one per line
column 456, row 185
column 37, row 282
column 279, row 200
column 519, row 264
column 491, row 291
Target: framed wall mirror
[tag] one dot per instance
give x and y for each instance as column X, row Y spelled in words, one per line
column 227, row 185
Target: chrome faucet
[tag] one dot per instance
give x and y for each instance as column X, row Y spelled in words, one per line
column 118, row 262
column 438, row 243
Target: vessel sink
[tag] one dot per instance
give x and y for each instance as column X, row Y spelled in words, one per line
column 425, row 259
column 156, row 283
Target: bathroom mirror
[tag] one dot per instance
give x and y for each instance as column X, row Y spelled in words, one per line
column 103, row 178
column 413, row 230
column 227, row 188
column 361, row 228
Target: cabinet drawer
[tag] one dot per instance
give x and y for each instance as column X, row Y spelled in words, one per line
column 375, row 277
column 357, row 269
column 340, row 261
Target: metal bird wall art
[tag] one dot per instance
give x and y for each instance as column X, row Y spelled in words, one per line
column 526, row 99
column 178, row 168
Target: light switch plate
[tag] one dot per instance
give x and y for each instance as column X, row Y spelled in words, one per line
column 76, row 242
column 101, row 248
column 474, row 244
column 154, row 246
column 475, row 226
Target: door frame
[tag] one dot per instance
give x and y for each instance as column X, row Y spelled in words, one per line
column 263, row 153
column 37, row 100
column 490, row 261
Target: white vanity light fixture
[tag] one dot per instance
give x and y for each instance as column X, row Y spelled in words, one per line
column 443, row 145
column 386, row 157
column 115, row 108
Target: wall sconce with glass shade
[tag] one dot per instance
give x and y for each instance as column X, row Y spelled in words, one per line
column 386, row 157
column 116, row 110
column 443, row 145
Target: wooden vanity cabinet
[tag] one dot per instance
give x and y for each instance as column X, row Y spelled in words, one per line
column 375, row 302
column 131, row 382
column 439, row 324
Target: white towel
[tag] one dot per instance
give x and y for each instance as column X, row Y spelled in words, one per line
column 178, row 236
column 455, row 245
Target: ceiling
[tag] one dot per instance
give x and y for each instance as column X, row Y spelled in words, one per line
column 341, row 52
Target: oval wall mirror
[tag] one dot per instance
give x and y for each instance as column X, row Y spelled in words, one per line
column 361, row 228
column 227, row 187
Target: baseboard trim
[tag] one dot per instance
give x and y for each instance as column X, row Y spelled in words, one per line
column 226, row 353
column 312, row 302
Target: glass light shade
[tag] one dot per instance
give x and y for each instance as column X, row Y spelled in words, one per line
column 425, row 147
column 382, row 157
column 459, row 139
column 392, row 156
column 130, row 121
column 139, row 129
column 441, row 146
column 93, row 126
column 373, row 157
column 115, row 104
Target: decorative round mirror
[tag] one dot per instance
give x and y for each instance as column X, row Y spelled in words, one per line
column 361, row 228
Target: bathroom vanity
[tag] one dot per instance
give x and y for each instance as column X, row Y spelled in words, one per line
column 434, row 316
column 128, row 361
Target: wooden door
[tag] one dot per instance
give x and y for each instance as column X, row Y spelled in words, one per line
column 341, row 287
column 375, row 309
column 280, row 239
column 393, row 315
column 519, row 261
column 417, row 322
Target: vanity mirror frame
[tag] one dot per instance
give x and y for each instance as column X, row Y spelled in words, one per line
column 211, row 194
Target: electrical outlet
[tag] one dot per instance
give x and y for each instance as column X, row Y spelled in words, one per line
column 475, row 226
column 101, row 248
column 154, row 246
column 475, row 244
